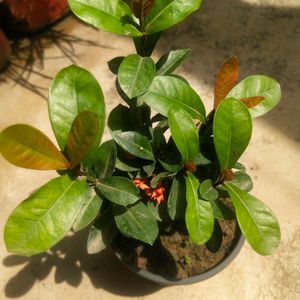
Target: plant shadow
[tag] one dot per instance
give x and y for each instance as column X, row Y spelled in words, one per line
column 265, row 37
column 70, row 261
column 28, row 56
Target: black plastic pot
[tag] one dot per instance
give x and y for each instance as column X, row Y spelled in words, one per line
column 163, row 281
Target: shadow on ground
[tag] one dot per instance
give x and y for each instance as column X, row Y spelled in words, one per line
column 70, row 261
column 265, row 38
column 28, row 56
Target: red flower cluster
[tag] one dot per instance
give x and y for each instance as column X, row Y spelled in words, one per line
column 156, row 194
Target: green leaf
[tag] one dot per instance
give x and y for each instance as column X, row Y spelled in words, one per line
column 207, row 191
column 88, row 211
column 258, row 85
column 137, row 222
column 184, row 133
column 119, row 190
column 82, row 137
column 171, row 167
column 166, row 13
column 257, row 222
column 114, row 64
column 154, row 208
column 27, row 147
column 118, row 119
column 74, row 90
column 169, row 62
column 135, row 74
column 149, row 169
column 113, row 16
column 177, row 199
column 199, row 215
column 102, row 233
column 156, row 180
column 232, row 129
column 105, row 163
column 221, row 211
column 243, row 181
column 127, row 166
column 134, row 143
column 168, row 93
column 44, row 218
column 215, row 241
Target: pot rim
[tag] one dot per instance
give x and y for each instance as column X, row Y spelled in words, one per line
column 164, row 281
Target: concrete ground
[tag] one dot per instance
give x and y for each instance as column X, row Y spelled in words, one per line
column 265, row 34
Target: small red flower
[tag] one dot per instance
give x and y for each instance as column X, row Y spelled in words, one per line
column 156, row 194
column 140, row 183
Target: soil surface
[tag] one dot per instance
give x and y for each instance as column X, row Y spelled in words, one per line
column 173, row 255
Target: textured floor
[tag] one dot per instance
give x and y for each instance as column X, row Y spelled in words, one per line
column 266, row 37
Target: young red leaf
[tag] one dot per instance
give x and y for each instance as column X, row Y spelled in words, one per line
column 226, row 78
column 141, row 7
column 252, row 101
column 27, row 147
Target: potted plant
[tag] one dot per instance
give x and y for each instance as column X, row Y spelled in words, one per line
column 5, row 50
column 31, row 15
column 167, row 190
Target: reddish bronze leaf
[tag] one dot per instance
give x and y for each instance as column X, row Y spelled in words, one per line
column 252, row 101
column 227, row 175
column 226, row 78
column 141, row 8
column 190, row 166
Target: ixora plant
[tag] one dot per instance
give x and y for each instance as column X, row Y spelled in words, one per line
column 168, row 165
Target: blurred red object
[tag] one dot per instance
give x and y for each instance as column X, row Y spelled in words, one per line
column 33, row 15
column 4, row 50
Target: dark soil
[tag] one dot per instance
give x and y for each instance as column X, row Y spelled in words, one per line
column 173, row 255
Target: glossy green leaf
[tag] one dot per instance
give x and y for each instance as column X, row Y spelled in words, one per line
column 232, row 129
column 258, row 85
column 166, row 13
column 168, row 93
column 177, row 199
column 137, row 222
column 199, row 215
column 119, row 190
column 207, row 191
column 44, row 218
column 74, row 90
column 134, row 143
column 102, row 232
column 257, row 222
column 243, row 181
column 27, row 147
column 169, row 62
column 135, row 74
column 222, row 211
column 112, row 16
column 184, row 133
column 88, row 211
column 82, row 137
column 105, row 162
